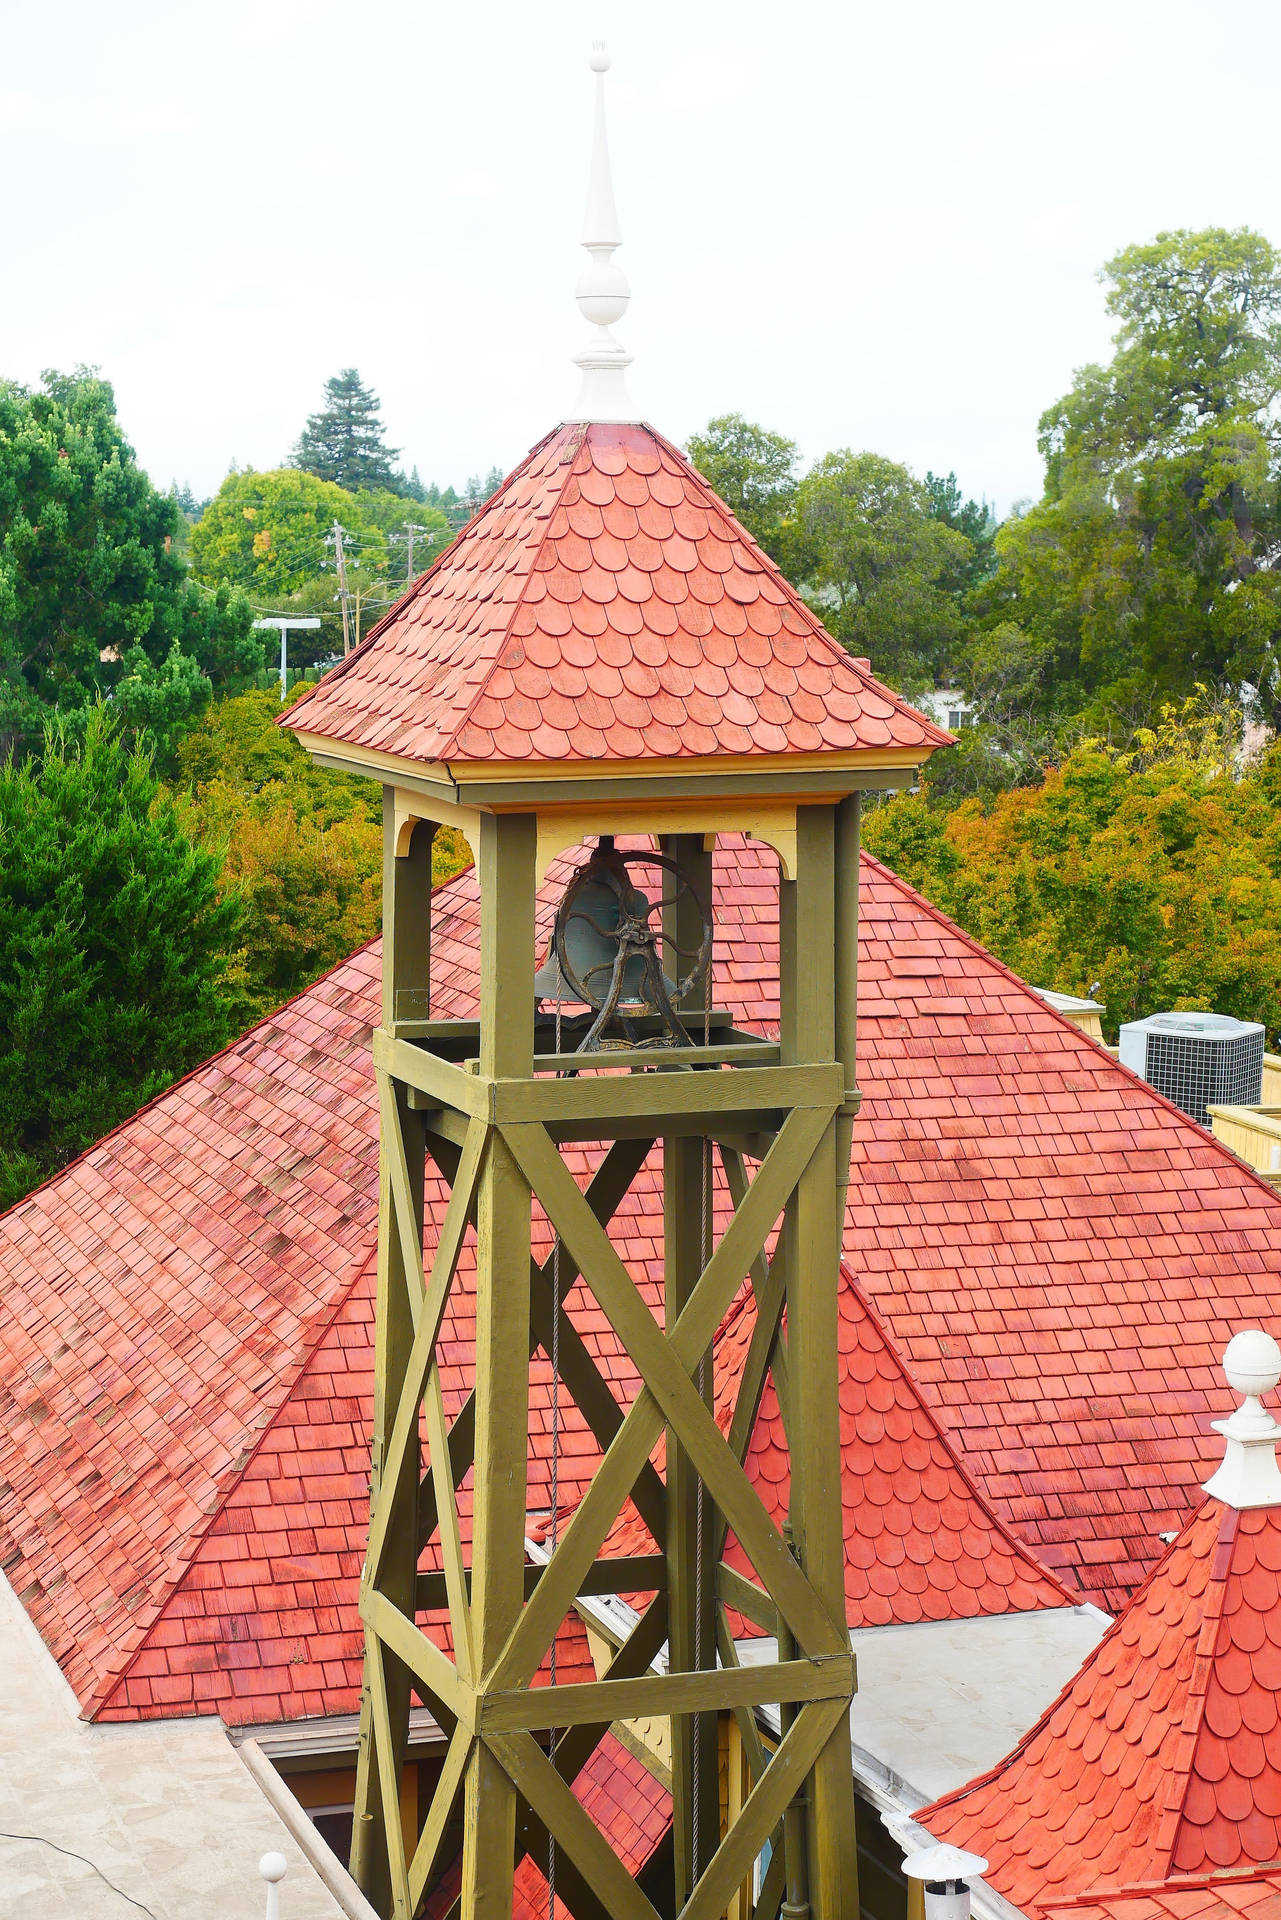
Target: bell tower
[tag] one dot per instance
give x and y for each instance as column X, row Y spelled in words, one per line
column 604, row 661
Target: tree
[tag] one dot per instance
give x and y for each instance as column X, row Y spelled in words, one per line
column 116, row 942
column 753, row 471
column 1155, row 872
column 266, row 532
column 973, row 518
column 343, row 443
column 90, row 567
column 301, row 847
column 1150, row 562
column 877, row 564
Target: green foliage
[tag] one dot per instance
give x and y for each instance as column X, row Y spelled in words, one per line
column 301, row 847
column 972, row 518
column 343, row 443
column 753, row 471
column 1155, row 872
column 878, row 565
column 90, row 572
column 266, row 532
column 1148, row 564
column 115, row 939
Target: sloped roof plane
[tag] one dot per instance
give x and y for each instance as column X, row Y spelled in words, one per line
column 1056, row 1255
column 1161, row 1757
column 605, row 605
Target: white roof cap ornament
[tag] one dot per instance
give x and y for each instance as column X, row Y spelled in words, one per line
column 1249, row 1475
column 602, row 291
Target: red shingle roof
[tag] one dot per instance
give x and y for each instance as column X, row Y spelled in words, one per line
column 921, row 1543
column 1235, row 1897
column 605, row 605
column 1057, row 1256
column 1162, row 1756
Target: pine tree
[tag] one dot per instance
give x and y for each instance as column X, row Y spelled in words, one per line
column 344, row 441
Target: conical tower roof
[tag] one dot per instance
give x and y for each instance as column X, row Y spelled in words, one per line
column 1163, row 1756
column 605, row 605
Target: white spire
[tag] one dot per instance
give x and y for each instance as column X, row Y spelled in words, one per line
column 602, row 291
column 1249, row 1475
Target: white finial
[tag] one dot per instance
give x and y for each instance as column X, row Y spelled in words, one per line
column 947, row 1872
column 602, row 291
column 1249, row 1475
column 273, row 1867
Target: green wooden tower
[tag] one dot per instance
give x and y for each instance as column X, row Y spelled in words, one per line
column 605, row 660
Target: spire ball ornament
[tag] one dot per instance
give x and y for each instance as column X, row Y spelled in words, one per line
column 602, row 292
column 1249, row 1475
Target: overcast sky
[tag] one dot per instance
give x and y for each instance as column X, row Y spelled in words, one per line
column 866, row 226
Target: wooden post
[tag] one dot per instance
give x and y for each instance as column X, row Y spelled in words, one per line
column 687, row 1231
column 406, row 971
column 507, row 891
column 807, row 957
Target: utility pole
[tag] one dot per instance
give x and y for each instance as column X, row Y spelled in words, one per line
column 411, row 528
column 334, row 539
column 284, row 625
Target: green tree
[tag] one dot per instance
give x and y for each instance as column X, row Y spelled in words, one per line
column 1148, row 564
column 973, row 518
column 116, row 943
column 301, row 847
column 343, row 443
column 1155, row 872
column 90, row 567
column 878, row 565
column 753, row 471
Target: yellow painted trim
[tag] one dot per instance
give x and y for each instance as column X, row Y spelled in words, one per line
column 774, row 822
column 413, row 807
column 460, row 774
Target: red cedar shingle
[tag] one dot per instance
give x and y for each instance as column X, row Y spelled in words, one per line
column 605, row 604
column 1162, row 1756
column 160, row 1321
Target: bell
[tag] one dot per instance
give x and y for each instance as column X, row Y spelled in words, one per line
column 591, row 946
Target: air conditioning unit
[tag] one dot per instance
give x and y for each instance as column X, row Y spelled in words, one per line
column 1197, row 1060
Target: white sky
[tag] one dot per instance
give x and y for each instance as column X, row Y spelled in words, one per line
column 866, row 226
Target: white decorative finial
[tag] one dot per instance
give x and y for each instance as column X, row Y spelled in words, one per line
column 273, row 1867
column 1249, row 1475
column 602, row 291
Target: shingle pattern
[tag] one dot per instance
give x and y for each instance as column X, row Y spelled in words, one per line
column 1057, row 1255
column 605, row 605
column 921, row 1543
column 1162, row 1755
column 1249, row 1896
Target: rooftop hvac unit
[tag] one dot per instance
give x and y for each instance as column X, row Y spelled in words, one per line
column 1197, row 1060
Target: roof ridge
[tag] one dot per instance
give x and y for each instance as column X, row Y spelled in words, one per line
column 985, row 953
column 1211, row 1603
column 840, row 652
column 478, row 692
column 101, row 1697
column 1020, row 1546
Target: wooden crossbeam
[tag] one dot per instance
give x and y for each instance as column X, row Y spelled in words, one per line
column 448, row 1787
column 826, row 1677
column 773, row 1886
column 433, row 1299
column 753, row 1745
column 572, row 1827
column 404, row 1207
column 422, row 1656
column 764, row 1806
column 634, row 1573
column 770, row 1290
column 665, row 1364
column 388, row 1763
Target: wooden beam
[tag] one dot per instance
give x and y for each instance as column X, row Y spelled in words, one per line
column 781, row 1781
column 390, row 1759
column 444, row 1085
column 449, row 1785
column 732, row 1590
column 668, row 1394
column 419, row 1654
column 658, row 1096
column 503, row 1260
column 553, row 1801
column 637, row 1573
column 713, row 1691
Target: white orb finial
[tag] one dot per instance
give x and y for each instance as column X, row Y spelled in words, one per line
column 273, row 1867
column 1252, row 1363
column 602, row 292
column 1249, row 1475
